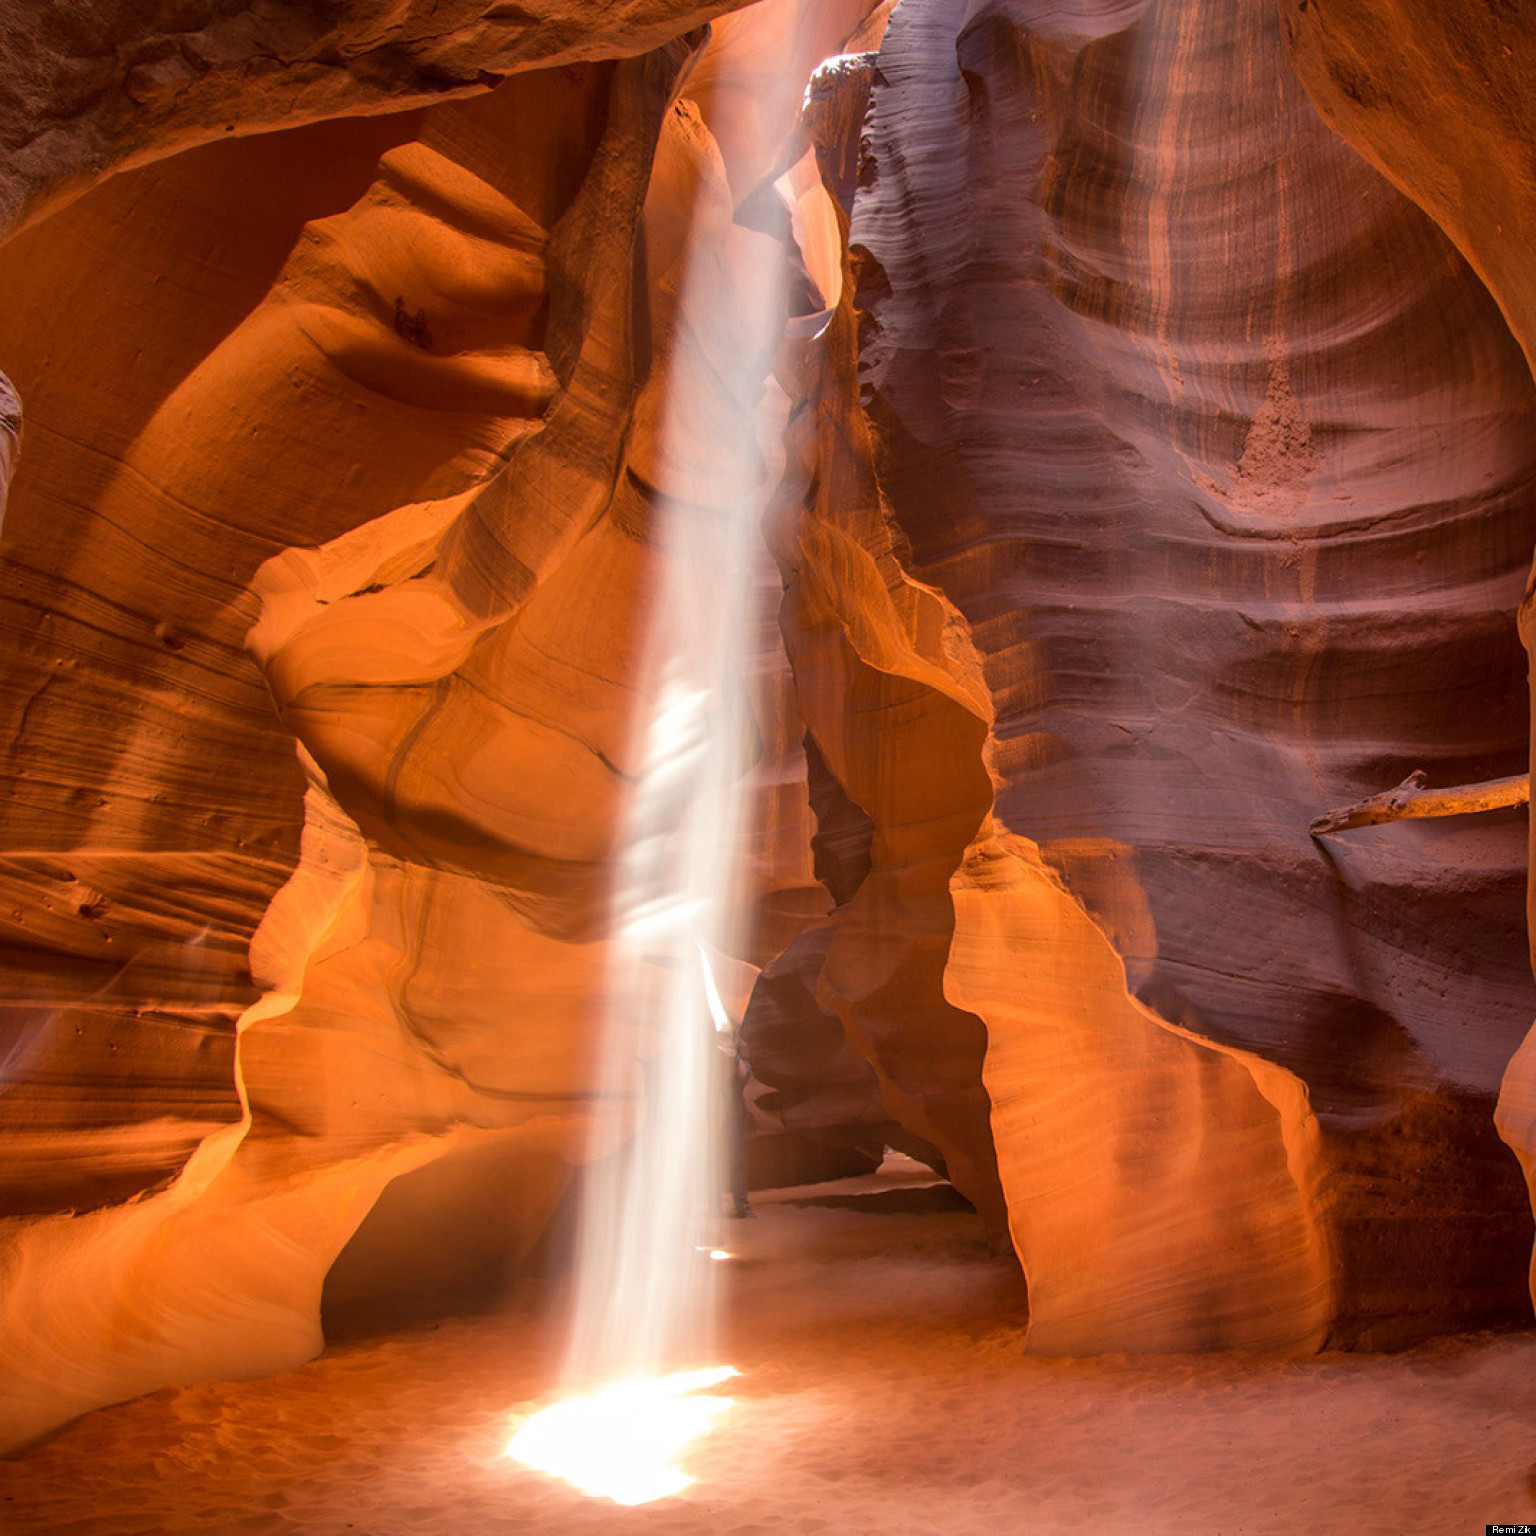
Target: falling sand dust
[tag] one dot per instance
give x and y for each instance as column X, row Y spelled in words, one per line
column 884, row 1389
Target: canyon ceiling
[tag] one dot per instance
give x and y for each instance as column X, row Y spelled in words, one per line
column 1147, row 470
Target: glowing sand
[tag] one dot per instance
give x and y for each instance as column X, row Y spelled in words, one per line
column 622, row 1442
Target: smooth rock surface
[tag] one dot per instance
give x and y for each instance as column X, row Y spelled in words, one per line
column 895, row 710
column 396, row 476
column 87, row 88
column 1148, row 478
column 411, row 328
column 1443, row 99
column 1225, row 459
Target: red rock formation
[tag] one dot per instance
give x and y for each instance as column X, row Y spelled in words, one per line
column 1151, row 479
column 1442, row 98
column 10, row 436
column 85, row 90
column 849, row 1026
column 411, row 474
column 407, row 346
column 1149, row 357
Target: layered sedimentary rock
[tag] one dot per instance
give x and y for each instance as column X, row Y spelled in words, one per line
column 405, row 349
column 396, row 474
column 1225, row 459
column 153, row 802
column 849, row 1025
column 1442, row 98
column 10, row 436
column 890, row 699
column 87, row 89
column 1151, row 478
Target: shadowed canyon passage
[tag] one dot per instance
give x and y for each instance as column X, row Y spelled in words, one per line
column 1144, row 475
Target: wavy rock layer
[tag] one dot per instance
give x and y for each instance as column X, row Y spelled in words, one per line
column 1442, row 98
column 407, row 464
column 10, row 436
column 152, row 800
column 423, row 332
column 1173, row 485
column 1225, row 458
column 895, row 713
column 87, row 89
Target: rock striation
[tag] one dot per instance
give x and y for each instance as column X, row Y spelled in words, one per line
column 1441, row 99
column 1143, row 478
column 1149, row 358
column 89, row 89
column 10, row 436
column 895, row 712
column 393, row 473
column 428, row 327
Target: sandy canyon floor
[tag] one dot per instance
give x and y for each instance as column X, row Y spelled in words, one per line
column 884, row 1389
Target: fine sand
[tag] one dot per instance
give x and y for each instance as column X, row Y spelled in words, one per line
column 884, row 1389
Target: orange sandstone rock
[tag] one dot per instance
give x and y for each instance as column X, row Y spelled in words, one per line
column 406, row 348
column 10, row 435
column 405, row 463
column 896, row 711
column 1150, row 478
column 89, row 89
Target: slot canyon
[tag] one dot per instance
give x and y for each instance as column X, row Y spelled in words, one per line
column 1131, row 974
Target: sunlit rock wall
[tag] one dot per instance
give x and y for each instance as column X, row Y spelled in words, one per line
column 207, row 557
column 328, row 585
column 850, row 1024
column 1226, row 461
column 1148, row 478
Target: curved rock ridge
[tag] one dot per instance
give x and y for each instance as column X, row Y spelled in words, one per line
column 896, row 715
column 86, row 90
column 10, row 436
column 1441, row 99
column 152, row 801
column 412, row 333
column 1194, row 1166
column 1148, row 477
column 1224, row 458
column 412, row 475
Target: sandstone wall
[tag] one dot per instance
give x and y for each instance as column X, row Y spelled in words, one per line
column 86, row 89
column 1442, row 98
column 381, row 451
column 1148, row 476
column 1225, row 459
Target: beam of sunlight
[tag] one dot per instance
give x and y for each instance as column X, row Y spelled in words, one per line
column 648, row 1253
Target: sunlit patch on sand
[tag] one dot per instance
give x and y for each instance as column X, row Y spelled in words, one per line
column 623, row 1441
